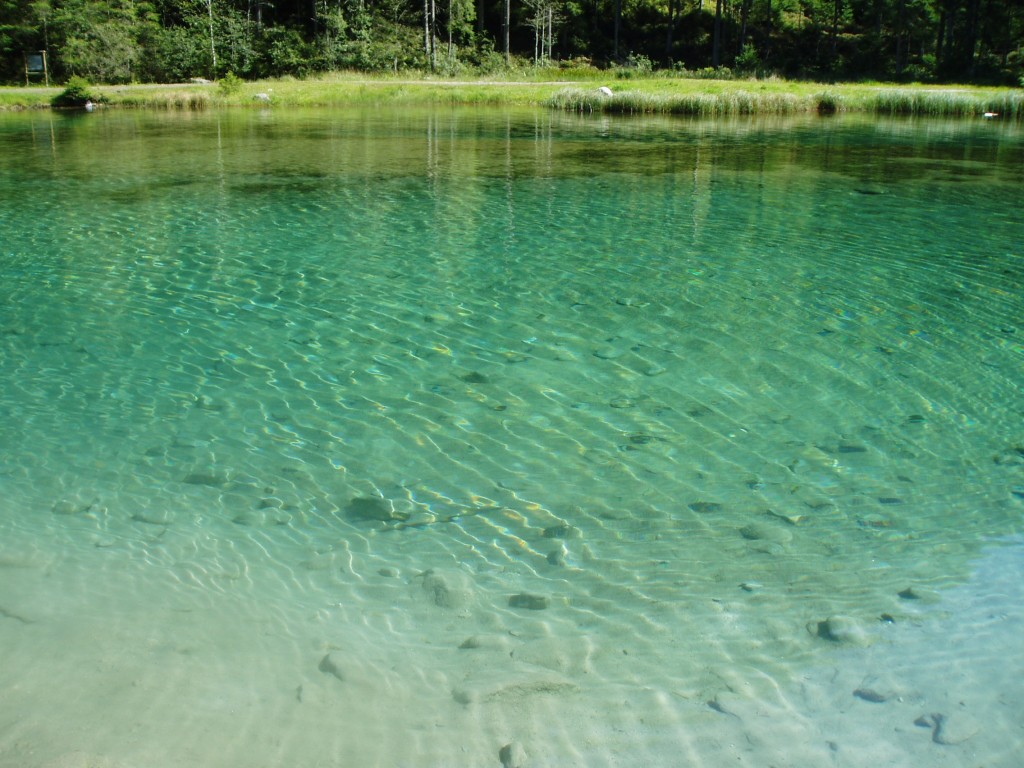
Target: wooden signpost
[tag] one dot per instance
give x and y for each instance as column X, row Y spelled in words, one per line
column 35, row 64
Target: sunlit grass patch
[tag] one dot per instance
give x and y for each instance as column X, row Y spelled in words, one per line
column 577, row 88
column 24, row 98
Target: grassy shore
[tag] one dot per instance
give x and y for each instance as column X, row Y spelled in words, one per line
column 660, row 95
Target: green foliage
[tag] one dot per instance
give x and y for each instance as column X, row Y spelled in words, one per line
column 637, row 65
column 748, row 62
column 287, row 53
column 705, row 73
column 77, row 92
column 120, row 41
column 101, row 40
column 484, row 59
column 229, row 85
column 178, row 54
column 461, row 16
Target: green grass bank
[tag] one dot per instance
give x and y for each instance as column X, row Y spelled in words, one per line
column 654, row 95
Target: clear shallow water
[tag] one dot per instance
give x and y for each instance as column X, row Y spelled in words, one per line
column 692, row 387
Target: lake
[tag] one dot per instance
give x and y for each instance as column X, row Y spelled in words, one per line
column 462, row 437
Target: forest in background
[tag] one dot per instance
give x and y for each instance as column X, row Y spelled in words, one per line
column 122, row 41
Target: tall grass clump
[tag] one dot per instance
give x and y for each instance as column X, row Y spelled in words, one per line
column 164, row 99
column 701, row 104
column 936, row 103
column 828, row 103
column 1008, row 105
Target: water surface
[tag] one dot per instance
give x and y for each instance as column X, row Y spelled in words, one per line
column 395, row 437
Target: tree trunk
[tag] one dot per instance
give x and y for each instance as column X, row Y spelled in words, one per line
column 744, row 14
column 940, row 40
column 716, row 46
column 971, row 36
column 508, row 23
column 901, row 33
column 618, row 23
column 551, row 31
column 213, row 47
column 837, row 9
column 671, row 28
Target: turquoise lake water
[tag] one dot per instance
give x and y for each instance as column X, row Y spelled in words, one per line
column 382, row 437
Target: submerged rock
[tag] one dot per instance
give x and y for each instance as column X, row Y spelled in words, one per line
column 1010, row 457
column 918, row 593
column 447, row 590
column 557, row 557
column 873, row 695
column 262, row 518
column 329, row 666
column 512, row 755
column 529, row 602
column 562, row 531
column 792, row 518
column 705, row 507
column 474, row 377
column 840, row 629
column 373, row 508
column 486, row 642
column 65, row 507
column 766, row 532
column 153, row 516
column 211, row 479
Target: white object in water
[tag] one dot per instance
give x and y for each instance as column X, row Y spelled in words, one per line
column 89, row 106
column 265, row 97
column 990, row 115
column 605, row 90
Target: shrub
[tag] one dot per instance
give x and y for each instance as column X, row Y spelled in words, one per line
column 748, row 62
column 706, row 73
column 229, row 85
column 76, row 93
column 637, row 65
column 640, row 63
